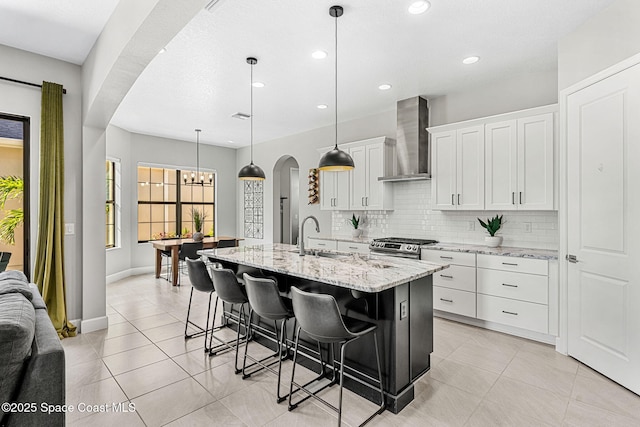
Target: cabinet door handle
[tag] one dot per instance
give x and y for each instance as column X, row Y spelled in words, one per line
column 513, row 197
column 511, row 286
column 510, row 312
column 458, row 198
column 321, row 244
column 361, row 201
column 510, row 263
column 366, row 201
column 352, row 247
column 446, row 277
column 446, row 300
column 521, row 197
column 446, row 257
column 452, row 200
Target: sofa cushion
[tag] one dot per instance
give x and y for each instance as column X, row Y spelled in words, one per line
column 13, row 275
column 17, row 327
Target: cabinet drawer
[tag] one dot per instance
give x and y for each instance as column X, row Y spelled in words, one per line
column 449, row 257
column 525, row 315
column 456, row 277
column 520, row 286
column 454, row 301
column 362, row 248
column 517, row 264
column 322, row 244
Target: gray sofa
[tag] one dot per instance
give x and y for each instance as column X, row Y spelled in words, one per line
column 32, row 370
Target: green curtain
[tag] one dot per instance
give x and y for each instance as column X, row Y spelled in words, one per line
column 49, row 270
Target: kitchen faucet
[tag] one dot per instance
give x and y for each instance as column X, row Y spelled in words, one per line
column 302, row 232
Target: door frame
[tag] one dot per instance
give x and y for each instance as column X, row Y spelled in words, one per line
column 26, row 194
column 563, row 220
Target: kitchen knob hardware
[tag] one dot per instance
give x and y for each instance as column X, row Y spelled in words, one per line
column 572, row 259
column 513, row 264
column 513, row 197
column 511, row 286
column 521, row 197
column 446, row 277
column 446, row 257
column 446, row 300
column 510, row 312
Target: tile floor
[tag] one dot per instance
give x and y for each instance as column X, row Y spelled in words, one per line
column 478, row 377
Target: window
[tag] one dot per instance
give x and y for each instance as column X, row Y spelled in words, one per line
column 110, row 207
column 165, row 203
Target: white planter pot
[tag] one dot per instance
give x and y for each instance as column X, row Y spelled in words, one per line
column 356, row 232
column 493, row 241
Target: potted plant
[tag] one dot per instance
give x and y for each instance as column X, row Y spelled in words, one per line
column 198, row 220
column 492, row 226
column 355, row 222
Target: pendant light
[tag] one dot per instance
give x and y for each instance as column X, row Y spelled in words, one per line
column 199, row 176
column 336, row 159
column 251, row 172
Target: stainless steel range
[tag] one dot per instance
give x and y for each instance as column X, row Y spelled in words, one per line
column 399, row 246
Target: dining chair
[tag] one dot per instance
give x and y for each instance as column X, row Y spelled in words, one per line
column 187, row 250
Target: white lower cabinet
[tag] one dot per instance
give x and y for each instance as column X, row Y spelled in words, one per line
column 337, row 245
column 454, row 289
column 361, row 248
column 521, row 314
column 322, row 244
column 454, row 301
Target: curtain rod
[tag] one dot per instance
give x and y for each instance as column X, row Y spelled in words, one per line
column 64, row 91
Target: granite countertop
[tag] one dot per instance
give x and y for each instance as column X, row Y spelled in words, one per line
column 349, row 239
column 501, row 250
column 362, row 272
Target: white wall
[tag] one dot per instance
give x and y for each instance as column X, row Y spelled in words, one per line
column 606, row 39
column 25, row 101
column 517, row 92
column 131, row 149
column 413, row 217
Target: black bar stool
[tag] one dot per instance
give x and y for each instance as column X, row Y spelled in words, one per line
column 230, row 291
column 266, row 302
column 200, row 281
column 187, row 250
column 319, row 316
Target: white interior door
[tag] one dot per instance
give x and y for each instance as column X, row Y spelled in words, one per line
column 603, row 186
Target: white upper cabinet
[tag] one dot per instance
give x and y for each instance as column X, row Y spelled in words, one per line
column 359, row 189
column 458, row 169
column 503, row 162
column 519, row 164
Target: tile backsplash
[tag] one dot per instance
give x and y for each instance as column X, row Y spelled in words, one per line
column 413, row 217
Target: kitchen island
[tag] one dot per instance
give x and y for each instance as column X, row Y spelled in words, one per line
column 394, row 293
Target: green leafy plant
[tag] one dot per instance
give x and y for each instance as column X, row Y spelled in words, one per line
column 355, row 221
column 492, row 225
column 11, row 187
column 198, row 219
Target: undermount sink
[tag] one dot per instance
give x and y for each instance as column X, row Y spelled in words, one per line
column 331, row 255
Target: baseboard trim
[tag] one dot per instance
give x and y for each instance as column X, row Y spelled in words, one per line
column 130, row 272
column 95, row 324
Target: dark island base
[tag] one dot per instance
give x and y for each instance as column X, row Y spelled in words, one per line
column 404, row 316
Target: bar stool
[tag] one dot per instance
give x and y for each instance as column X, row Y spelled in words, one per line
column 319, row 317
column 230, row 291
column 266, row 302
column 187, row 250
column 200, row 281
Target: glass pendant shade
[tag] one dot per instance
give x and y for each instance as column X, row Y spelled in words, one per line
column 251, row 172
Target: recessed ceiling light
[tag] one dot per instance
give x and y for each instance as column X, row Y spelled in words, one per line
column 257, row 84
column 385, row 86
column 230, row 141
column 319, row 54
column 163, row 50
column 418, row 7
column 471, row 60
column 322, row 106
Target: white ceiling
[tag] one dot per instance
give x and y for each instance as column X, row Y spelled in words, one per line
column 203, row 78
column 62, row 29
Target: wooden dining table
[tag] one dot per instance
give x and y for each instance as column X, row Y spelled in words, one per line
column 174, row 246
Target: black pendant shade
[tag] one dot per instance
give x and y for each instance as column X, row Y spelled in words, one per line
column 251, row 172
column 336, row 160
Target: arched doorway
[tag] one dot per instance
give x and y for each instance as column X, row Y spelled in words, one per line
column 286, row 194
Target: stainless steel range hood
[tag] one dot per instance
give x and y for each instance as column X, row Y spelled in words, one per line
column 412, row 141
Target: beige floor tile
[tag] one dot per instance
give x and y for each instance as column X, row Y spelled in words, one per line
column 490, row 414
column 546, row 355
column 465, row 377
column 222, row 381
column 79, row 374
column 446, row 403
column 134, row 359
column 408, row 417
column 167, row 331
column 120, row 344
column 540, row 375
column 114, row 318
column 154, row 321
column 198, row 361
column 174, row 401
column 304, row 415
column 606, row 394
column 178, row 345
column 492, row 339
column 446, row 342
column 137, row 312
column 104, row 392
column 213, row 415
column 491, row 359
column 78, row 353
column 108, row 419
column 254, row 405
column 527, row 399
column 151, row 377
column 583, row 415
column 355, row 409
